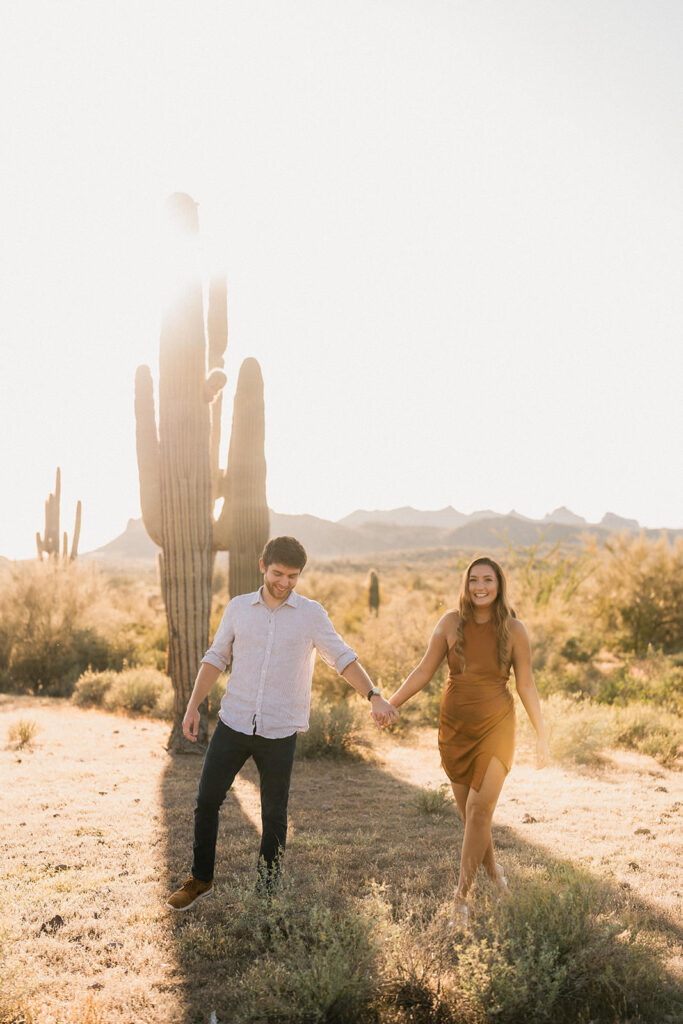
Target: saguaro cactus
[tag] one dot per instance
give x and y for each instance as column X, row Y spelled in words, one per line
column 180, row 478
column 48, row 544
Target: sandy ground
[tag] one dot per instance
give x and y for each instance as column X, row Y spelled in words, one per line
column 95, row 831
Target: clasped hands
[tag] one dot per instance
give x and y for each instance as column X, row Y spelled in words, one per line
column 383, row 713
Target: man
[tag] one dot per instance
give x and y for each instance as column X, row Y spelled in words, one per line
column 270, row 638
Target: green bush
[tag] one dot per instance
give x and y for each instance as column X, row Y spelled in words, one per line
column 333, row 731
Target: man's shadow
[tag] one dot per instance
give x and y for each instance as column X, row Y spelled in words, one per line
column 350, row 819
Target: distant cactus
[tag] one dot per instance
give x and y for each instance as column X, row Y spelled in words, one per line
column 48, row 544
column 180, row 478
column 373, row 592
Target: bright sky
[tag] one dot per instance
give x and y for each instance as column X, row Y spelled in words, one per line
column 453, row 234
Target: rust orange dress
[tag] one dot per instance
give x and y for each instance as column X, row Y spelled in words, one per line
column 477, row 718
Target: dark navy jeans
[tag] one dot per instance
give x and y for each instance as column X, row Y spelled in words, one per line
column 226, row 754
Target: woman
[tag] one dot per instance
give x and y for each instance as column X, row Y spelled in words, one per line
column 477, row 720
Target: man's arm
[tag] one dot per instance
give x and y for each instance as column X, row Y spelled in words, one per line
column 203, row 684
column 383, row 712
column 341, row 657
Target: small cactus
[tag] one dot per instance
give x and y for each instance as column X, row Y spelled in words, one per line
column 373, row 592
column 48, row 544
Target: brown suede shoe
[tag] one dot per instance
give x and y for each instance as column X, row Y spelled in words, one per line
column 188, row 894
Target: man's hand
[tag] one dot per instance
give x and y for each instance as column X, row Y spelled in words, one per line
column 191, row 724
column 383, row 713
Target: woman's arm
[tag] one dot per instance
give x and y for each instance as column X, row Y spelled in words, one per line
column 526, row 688
column 420, row 676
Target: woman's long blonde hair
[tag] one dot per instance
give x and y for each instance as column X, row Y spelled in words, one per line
column 502, row 612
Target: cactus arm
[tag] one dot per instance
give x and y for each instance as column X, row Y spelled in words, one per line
column 77, row 532
column 245, row 507
column 147, row 442
column 221, row 527
column 217, row 329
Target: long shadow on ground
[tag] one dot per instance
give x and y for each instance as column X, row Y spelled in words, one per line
column 354, row 827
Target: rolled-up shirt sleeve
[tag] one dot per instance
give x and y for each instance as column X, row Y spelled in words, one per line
column 330, row 645
column 219, row 653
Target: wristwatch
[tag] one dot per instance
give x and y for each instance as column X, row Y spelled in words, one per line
column 374, row 692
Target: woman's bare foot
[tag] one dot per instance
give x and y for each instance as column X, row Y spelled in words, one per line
column 460, row 915
column 501, row 881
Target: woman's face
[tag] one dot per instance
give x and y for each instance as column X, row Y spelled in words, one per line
column 482, row 585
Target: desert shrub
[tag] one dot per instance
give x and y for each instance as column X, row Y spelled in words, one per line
column 137, row 689
column 638, row 593
column 22, row 732
column 91, row 687
column 216, row 695
column 560, row 952
column 55, row 623
column 133, row 689
column 433, row 801
column 577, row 730
column 563, row 950
column 656, row 679
column 308, row 955
column 333, row 730
column 649, row 730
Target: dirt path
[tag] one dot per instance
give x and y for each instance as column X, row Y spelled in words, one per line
column 96, row 828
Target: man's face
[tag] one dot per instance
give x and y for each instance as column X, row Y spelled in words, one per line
column 279, row 580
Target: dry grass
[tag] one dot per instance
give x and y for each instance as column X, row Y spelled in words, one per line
column 97, row 831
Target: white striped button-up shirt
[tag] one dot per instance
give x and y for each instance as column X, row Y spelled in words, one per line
column 272, row 652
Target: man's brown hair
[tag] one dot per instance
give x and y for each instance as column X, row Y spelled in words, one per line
column 285, row 551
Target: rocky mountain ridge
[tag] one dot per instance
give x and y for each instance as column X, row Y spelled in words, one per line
column 366, row 532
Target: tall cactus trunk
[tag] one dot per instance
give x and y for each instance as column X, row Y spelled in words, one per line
column 186, row 498
column 179, row 474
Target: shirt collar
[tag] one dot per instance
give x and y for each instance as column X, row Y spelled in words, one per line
column 292, row 600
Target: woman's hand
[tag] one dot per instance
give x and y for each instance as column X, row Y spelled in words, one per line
column 542, row 753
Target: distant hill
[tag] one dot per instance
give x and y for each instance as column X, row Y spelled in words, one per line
column 566, row 517
column 406, row 529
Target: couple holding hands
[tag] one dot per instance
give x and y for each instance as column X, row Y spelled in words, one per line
column 270, row 638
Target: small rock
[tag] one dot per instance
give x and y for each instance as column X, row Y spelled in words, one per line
column 122, row 873
column 642, row 832
column 327, row 807
column 114, row 945
column 528, row 819
column 18, row 760
column 56, row 815
column 61, row 867
column 633, row 866
column 213, row 1019
column 102, row 792
column 661, row 789
column 624, row 885
column 96, row 984
column 52, row 926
